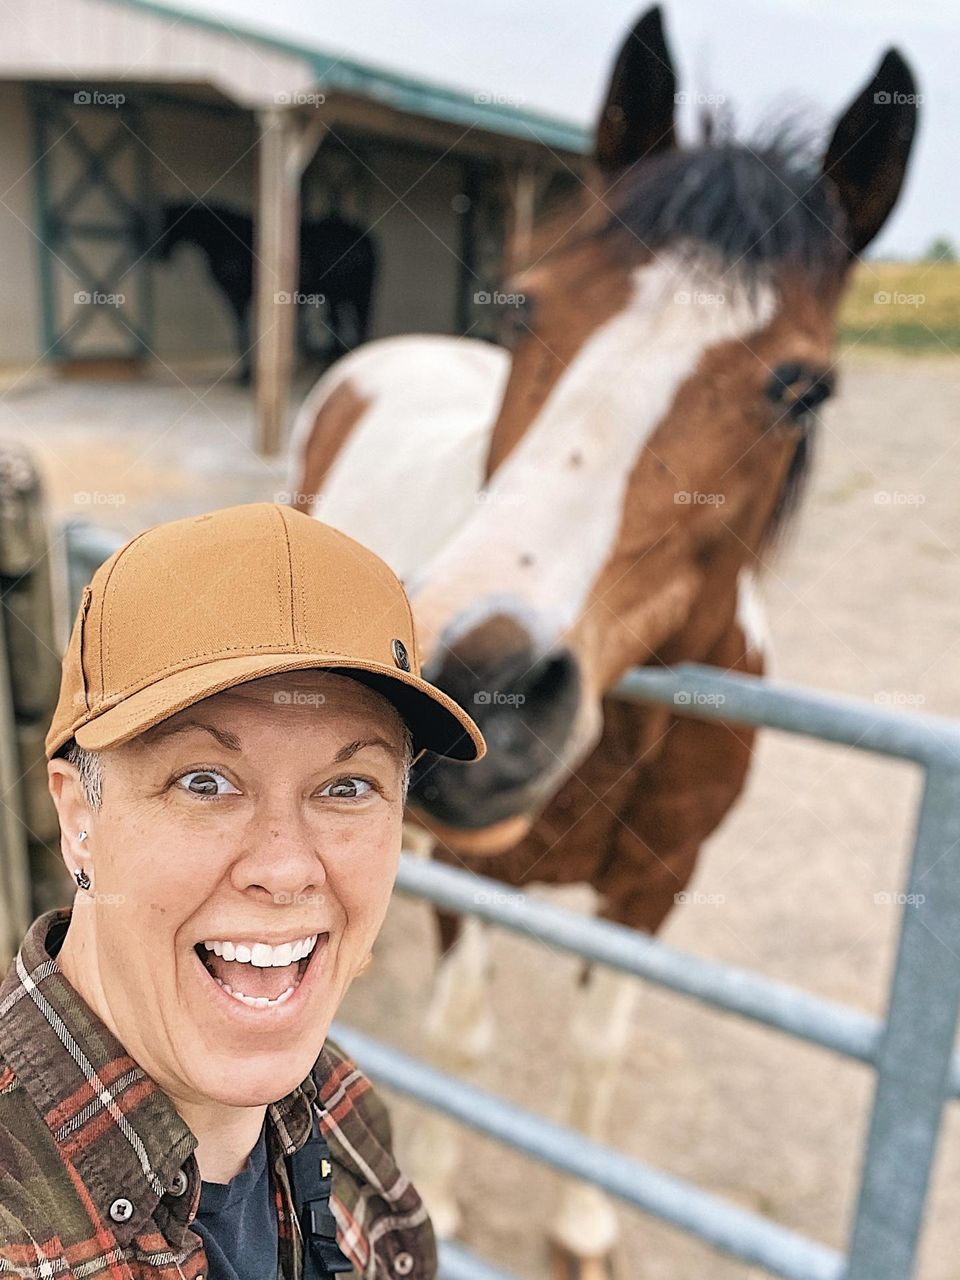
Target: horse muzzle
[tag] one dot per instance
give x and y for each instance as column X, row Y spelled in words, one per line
column 525, row 707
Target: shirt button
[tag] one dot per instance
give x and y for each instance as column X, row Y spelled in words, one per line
column 178, row 1184
column 403, row 1264
column 121, row 1210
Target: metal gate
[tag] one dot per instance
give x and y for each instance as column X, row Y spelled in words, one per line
column 911, row 1049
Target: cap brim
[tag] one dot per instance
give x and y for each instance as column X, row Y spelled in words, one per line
column 436, row 722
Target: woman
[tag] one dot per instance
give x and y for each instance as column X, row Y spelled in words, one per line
column 239, row 709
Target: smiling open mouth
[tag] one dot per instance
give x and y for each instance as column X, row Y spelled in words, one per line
column 259, row 975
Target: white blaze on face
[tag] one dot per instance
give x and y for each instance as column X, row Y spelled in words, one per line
column 561, row 520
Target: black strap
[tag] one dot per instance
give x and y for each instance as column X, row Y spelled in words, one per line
column 311, row 1176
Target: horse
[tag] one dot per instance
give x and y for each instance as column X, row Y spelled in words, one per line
column 338, row 266
column 601, row 491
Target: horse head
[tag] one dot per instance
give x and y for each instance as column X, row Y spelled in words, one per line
column 672, row 335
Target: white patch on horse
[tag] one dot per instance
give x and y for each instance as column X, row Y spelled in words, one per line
column 460, row 1033
column 585, row 1221
column 752, row 616
column 547, row 527
column 408, row 476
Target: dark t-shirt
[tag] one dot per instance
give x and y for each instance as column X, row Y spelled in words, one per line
column 237, row 1221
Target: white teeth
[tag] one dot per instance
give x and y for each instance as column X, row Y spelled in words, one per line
column 262, row 955
column 258, row 1002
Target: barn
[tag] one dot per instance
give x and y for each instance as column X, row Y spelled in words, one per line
column 123, row 118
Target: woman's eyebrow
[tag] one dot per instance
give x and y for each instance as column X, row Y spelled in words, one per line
column 352, row 748
column 166, row 730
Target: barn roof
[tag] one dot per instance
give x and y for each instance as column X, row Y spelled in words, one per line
column 334, row 74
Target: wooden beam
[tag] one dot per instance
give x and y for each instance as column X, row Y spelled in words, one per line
column 313, row 130
column 526, row 184
column 349, row 114
column 287, row 143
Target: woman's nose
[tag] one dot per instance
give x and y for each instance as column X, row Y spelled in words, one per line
column 282, row 856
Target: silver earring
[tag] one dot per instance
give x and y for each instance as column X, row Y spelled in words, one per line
column 81, row 836
column 82, row 879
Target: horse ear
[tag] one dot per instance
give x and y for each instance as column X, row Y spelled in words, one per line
column 637, row 117
column 868, row 153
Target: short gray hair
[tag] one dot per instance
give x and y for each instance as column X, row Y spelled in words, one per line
column 89, row 764
column 408, row 753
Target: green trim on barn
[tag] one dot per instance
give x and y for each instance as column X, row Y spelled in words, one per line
column 402, row 92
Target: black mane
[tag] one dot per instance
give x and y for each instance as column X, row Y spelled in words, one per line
column 762, row 205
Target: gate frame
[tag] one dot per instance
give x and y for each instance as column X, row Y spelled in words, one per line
column 911, row 1049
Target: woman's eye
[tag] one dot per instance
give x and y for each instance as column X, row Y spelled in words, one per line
column 207, row 783
column 347, row 789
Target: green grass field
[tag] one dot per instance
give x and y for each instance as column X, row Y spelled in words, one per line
column 908, row 306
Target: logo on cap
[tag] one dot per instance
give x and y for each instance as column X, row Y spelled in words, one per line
column 400, row 654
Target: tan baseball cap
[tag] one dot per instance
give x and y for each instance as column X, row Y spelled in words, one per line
column 195, row 606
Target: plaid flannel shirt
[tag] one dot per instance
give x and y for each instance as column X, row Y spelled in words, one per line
column 98, row 1179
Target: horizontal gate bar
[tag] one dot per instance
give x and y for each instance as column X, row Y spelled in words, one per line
column 711, row 694
column 824, row 1022
column 717, row 1222
column 457, row 1264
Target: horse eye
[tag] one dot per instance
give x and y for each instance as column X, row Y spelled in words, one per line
column 797, row 390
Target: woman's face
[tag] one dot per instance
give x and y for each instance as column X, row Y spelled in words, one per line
column 266, row 814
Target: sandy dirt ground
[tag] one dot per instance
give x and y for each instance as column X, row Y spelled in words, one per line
column 864, row 600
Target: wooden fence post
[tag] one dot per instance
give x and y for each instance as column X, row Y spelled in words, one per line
column 32, row 878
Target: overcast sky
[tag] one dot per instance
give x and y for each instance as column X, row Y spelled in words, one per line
column 764, row 56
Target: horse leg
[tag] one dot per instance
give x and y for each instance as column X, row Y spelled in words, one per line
column 584, row 1229
column 339, row 322
column 459, row 1033
column 663, row 822
column 362, row 301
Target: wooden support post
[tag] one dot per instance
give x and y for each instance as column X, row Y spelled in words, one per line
column 525, row 186
column 286, row 147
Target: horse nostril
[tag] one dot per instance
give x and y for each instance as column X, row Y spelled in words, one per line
column 551, row 676
column 525, row 707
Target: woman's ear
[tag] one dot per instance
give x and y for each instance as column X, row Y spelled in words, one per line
column 75, row 814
